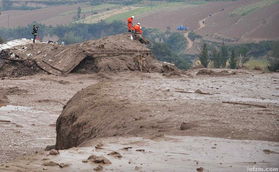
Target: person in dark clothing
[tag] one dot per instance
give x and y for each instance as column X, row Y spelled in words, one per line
column 35, row 32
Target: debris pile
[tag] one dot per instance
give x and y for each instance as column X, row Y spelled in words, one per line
column 113, row 53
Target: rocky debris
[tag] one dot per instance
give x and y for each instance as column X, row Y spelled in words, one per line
column 186, row 126
column 4, row 92
column 245, row 104
column 115, row 154
column 3, row 97
column 5, row 121
column 126, row 148
column 99, row 159
column 112, row 53
column 63, row 165
column 53, row 152
column 50, row 163
column 11, row 68
column 215, row 72
column 99, row 146
column 49, row 147
column 267, row 151
column 140, row 150
column 98, row 168
column 200, row 169
column 137, row 168
column 85, row 161
column 169, row 69
column 198, row 91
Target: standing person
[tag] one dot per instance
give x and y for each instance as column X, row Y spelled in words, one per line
column 130, row 23
column 35, row 32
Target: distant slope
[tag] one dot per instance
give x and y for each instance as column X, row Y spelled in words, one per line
column 50, row 15
column 236, row 21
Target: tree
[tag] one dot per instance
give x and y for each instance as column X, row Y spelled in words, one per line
column 176, row 42
column 216, row 58
column 78, row 12
column 233, row 60
column 204, row 56
column 224, row 55
column 2, row 40
column 274, row 58
column 71, row 38
column 164, row 53
column 6, row 4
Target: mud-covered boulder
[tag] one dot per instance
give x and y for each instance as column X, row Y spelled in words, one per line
column 89, row 114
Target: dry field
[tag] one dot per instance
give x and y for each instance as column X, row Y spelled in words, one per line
column 51, row 16
column 221, row 22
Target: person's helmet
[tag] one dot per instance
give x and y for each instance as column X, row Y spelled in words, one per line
column 133, row 17
column 138, row 23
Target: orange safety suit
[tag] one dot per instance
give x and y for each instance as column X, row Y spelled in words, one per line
column 138, row 29
column 130, row 24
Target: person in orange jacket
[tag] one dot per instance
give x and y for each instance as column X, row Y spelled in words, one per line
column 138, row 34
column 137, row 29
column 130, row 23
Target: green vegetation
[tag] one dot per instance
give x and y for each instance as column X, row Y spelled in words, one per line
column 169, row 47
column 193, row 36
column 69, row 34
column 233, row 60
column 242, row 11
column 258, row 64
column 274, row 58
column 215, row 58
column 24, row 4
column 254, row 56
column 93, row 9
column 145, row 9
column 2, row 40
column 224, row 55
column 204, row 56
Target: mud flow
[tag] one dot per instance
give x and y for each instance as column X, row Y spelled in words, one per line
column 105, row 106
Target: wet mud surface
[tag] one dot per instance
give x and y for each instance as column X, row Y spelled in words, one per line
column 185, row 106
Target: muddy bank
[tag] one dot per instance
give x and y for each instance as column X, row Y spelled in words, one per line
column 148, row 105
column 152, row 106
column 161, row 153
column 32, row 105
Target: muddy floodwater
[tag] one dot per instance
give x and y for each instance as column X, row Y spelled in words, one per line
column 232, row 122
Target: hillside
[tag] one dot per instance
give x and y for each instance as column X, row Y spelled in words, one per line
column 238, row 21
column 234, row 21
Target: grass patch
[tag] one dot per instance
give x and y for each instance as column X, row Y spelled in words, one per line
column 95, row 8
column 147, row 8
column 242, row 11
column 257, row 64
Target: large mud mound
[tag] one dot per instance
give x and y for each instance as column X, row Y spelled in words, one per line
column 113, row 53
column 91, row 114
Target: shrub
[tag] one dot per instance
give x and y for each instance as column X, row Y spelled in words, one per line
column 274, row 58
column 233, row 60
column 204, row 56
column 2, row 40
